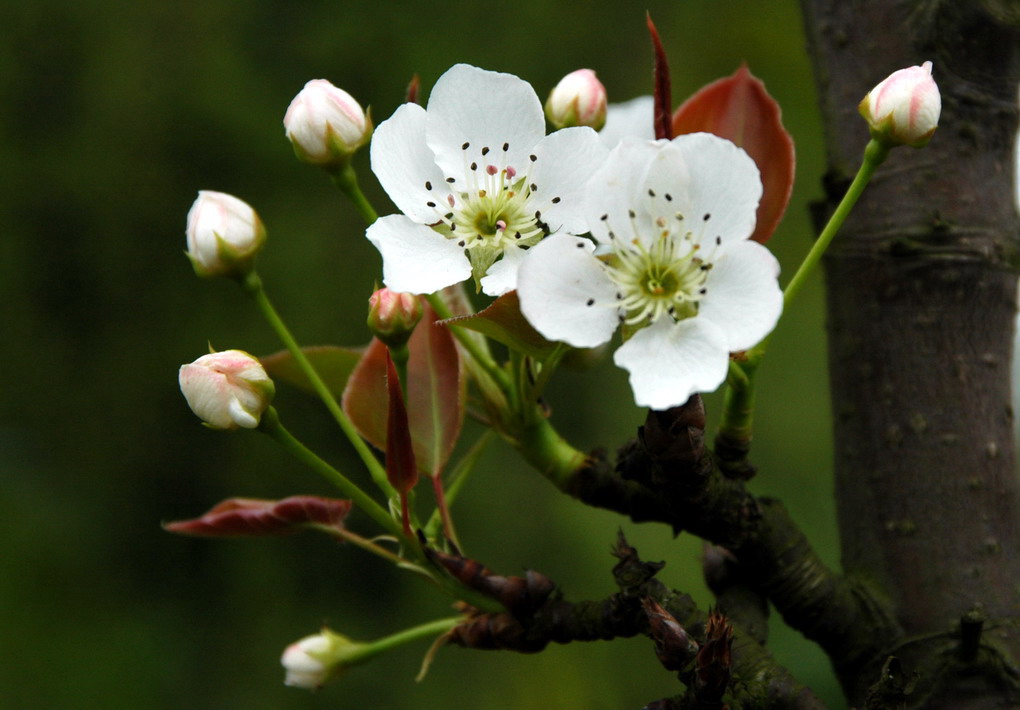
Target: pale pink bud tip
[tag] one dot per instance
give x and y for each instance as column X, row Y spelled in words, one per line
column 223, row 234
column 227, row 390
column 904, row 108
column 325, row 124
column 393, row 316
column 578, row 100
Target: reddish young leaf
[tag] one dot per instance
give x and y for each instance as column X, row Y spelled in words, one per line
column 413, row 89
column 739, row 109
column 401, row 469
column 251, row 517
column 663, row 86
column 366, row 399
column 435, row 393
column 503, row 322
column 333, row 363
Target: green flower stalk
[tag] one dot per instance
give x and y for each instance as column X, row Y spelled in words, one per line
column 317, row 659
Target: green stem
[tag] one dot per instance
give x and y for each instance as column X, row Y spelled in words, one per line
column 442, row 507
column 736, row 425
column 271, row 425
column 545, row 373
column 365, row 544
column 459, row 476
column 400, row 355
column 347, row 180
column 482, row 358
column 543, row 447
column 252, row 285
column 737, row 422
column 358, row 653
column 874, row 154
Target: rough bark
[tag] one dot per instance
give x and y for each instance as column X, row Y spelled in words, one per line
column 922, row 289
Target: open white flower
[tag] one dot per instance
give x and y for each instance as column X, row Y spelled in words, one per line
column 678, row 271
column 478, row 182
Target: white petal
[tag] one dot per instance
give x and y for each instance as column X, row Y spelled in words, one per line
column 742, row 294
column 566, row 160
column 724, row 185
column 631, row 119
column 668, row 362
column 241, row 416
column 417, row 259
column 614, row 191
column 405, row 166
column 565, row 292
column 483, row 109
column 502, row 276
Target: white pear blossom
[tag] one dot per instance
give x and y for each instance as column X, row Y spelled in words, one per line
column 675, row 267
column 478, row 182
column 227, row 390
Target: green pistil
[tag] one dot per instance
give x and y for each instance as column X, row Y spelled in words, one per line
column 658, row 281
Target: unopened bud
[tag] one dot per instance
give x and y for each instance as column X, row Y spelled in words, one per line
column 326, row 125
column 904, row 108
column 316, row 659
column 393, row 316
column 578, row 100
column 227, row 390
column 224, row 235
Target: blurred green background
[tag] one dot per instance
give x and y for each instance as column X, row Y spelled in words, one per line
column 114, row 115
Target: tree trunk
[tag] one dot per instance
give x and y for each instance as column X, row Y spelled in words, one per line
column 922, row 289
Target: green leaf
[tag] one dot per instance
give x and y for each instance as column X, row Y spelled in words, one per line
column 503, row 322
column 333, row 363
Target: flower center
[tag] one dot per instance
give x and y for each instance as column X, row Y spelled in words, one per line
column 666, row 278
column 490, row 210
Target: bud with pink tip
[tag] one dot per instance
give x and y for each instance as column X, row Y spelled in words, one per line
column 904, row 108
column 224, row 235
column 578, row 100
column 393, row 316
column 326, row 125
column 227, row 390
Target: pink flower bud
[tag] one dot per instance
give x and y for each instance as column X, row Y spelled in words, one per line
column 224, row 235
column 904, row 108
column 326, row 125
column 393, row 316
column 578, row 100
column 227, row 390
